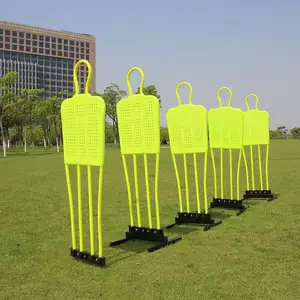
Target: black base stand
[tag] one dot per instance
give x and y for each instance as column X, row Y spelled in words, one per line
column 87, row 257
column 229, row 204
column 147, row 234
column 259, row 194
column 195, row 218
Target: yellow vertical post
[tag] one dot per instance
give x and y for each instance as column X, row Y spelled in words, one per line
column 260, row 170
column 71, row 206
column 99, row 213
column 79, row 208
column 252, row 167
column 196, row 183
column 128, row 189
column 136, row 188
column 178, row 183
column 221, row 173
column 156, row 192
column 230, row 173
column 147, row 190
column 215, row 171
column 90, row 193
column 186, row 184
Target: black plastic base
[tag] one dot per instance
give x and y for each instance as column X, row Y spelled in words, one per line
column 87, row 257
column 229, row 204
column 259, row 194
column 147, row 234
column 195, row 218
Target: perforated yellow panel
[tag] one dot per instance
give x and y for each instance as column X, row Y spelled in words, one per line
column 187, row 125
column 256, row 125
column 139, row 124
column 256, row 128
column 83, row 124
column 225, row 125
column 225, row 128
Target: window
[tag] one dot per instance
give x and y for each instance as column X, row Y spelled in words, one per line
column 52, row 76
column 47, row 45
column 47, row 38
column 34, row 43
column 66, row 42
column 41, row 44
column 53, row 46
column 82, row 44
column 53, row 40
column 14, row 33
column 28, row 35
column 34, row 36
column 41, row 37
column 59, row 41
column 7, row 39
column 28, row 42
column 53, row 52
column 28, row 49
column 65, row 53
column 59, row 47
column 87, row 57
column 34, row 50
column 21, row 41
column 77, row 49
column 21, row 47
column 21, row 34
column 1, row 45
column 72, row 54
column 82, row 49
column 65, row 78
column 66, row 48
column 82, row 56
column 77, row 43
column 7, row 46
column 14, row 47
column 87, row 51
column 72, row 42
column 47, row 51
column 14, row 40
column 7, row 32
column 41, row 50
column 1, row 31
column 77, row 56
column 58, row 77
column 87, row 45
column 60, row 53
column 71, row 48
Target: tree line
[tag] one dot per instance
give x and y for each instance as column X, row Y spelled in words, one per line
column 28, row 119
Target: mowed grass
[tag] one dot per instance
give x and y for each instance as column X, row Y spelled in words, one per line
column 252, row 256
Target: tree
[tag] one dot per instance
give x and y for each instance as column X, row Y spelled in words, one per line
column 164, row 135
column 150, row 90
column 6, row 98
column 54, row 105
column 112, row 95
column 41, row 112
column 25, row 105
column 295, row 132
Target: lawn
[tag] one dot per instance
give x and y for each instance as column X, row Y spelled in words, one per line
column 252, row 256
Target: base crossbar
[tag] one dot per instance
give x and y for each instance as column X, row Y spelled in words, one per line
column 195, row 218
column 229, row 204
column 147, row 234
column 87, row 257
column 259, row 194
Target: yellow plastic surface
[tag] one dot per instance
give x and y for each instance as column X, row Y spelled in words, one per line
column 139, row 121
column 256, row 125
column 83, row 124
column 187, row 124
column 225, row 125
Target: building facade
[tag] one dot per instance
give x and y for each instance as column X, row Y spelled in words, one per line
column 45, row 58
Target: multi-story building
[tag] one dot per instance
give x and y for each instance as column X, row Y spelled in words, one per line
column 45, row 58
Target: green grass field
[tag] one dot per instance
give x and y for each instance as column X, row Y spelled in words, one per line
column 252, row 256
